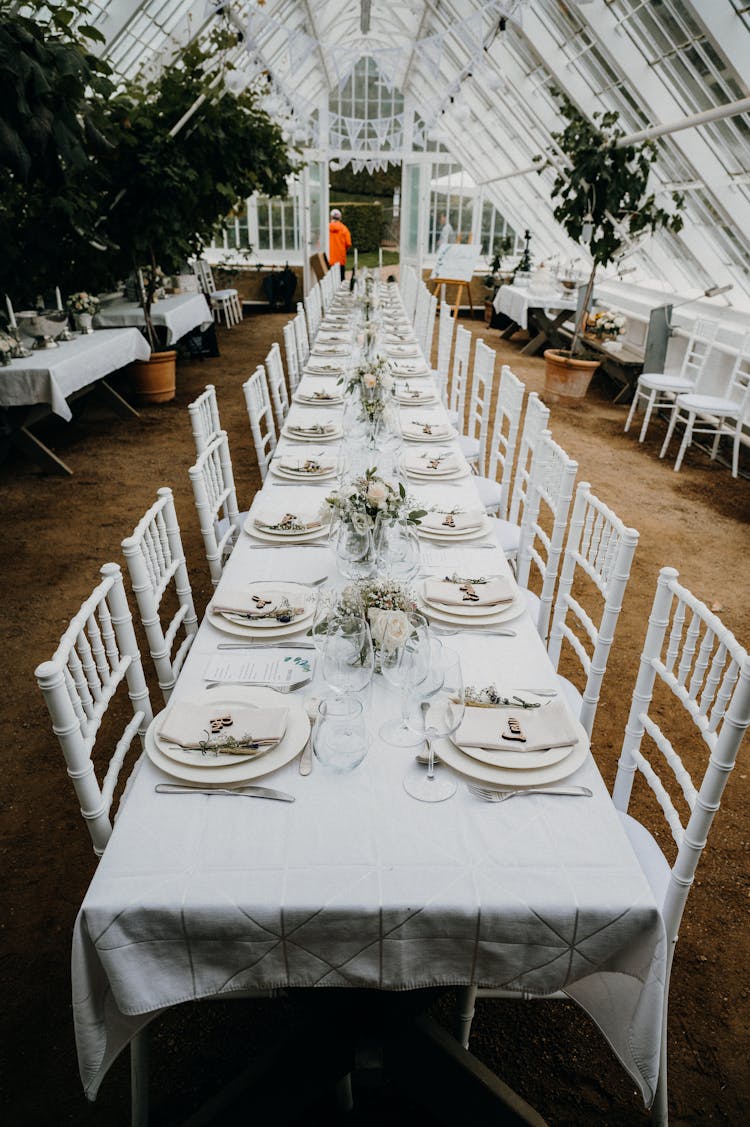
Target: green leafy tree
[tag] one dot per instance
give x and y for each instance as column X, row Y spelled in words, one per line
column 602, row 190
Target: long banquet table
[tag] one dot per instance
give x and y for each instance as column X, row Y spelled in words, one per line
column 357, row 885
column 177, row 315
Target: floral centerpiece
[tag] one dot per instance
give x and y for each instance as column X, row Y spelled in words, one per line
column 386, row 605
column 374, row 382
column 368, row 497
column 606, row 324
column 82, row 302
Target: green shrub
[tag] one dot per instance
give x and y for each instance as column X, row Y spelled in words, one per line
column 365, row 221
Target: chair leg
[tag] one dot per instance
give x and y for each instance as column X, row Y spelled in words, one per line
column 670, row 430
column 736, row 449
column 139, row 1079
column 647, row 417
column 633, row 408
column 717, row 440
column 687, row 438
column 466, row 1014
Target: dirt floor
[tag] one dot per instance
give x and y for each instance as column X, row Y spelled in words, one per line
column 57, row 533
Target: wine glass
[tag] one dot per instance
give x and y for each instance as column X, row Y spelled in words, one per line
column 433, row 715
column 354, row 549
column 348, row 660
column 408, row 657
column 398, row 550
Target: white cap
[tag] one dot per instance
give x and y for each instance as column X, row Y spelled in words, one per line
column 335, row 214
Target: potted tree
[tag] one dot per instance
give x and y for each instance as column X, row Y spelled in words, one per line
column 184, row 150
column 603, row 203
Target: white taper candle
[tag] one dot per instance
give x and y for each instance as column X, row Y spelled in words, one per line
column 11, row 314
column 58, row 298
column 355, row 260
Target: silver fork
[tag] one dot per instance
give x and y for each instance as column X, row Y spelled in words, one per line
column 493, row 794
column 284, row 687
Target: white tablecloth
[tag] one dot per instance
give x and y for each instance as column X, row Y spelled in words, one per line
column 178, row 314
column 515, row 302
column 51, row 375
column 356, row 884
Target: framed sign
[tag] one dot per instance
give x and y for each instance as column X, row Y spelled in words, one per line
column 456, row 261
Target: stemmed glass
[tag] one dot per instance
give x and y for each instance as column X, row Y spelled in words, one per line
column 354, row 549
column 407, row 658
column 397, row 548
column 433, row 708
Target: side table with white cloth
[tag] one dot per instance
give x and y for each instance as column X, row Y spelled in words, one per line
column 354, row 884
column 48, row 380
column 176, row 315
column 542, row 313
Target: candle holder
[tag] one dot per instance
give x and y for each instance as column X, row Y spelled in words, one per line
column 45, row 326
column 20, row 351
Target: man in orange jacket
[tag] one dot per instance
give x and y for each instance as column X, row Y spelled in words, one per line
column 339, row 240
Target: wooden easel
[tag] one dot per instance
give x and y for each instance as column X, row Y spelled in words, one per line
column 460, row 285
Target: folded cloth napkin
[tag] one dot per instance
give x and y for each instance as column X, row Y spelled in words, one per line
column 436, row 462
column 319, row 366
column 312, row 428
column 397, row 337
column 402, row 349
column 330, row 350
column 230, row 728
column 326, row 336
column 464, row 593
column 517, row 729
column 415, row 367
column 308, row 467
column 320, row 395
column 256, row 604
column 418, row 428
column 453, row 522
column 286, row 522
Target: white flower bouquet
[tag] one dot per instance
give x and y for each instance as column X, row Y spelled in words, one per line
column 606, row 323
column 82, row 303
column 369, row 497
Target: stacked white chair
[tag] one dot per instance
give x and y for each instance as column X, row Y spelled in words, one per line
column 216, row 503
column 277, row 384
column 498, row 449
column 551, row 484
column 718, row 416
column 204, row 418
column 693, row 656
column 660, row 389
column 96, row 655
column 508, row 532
column 224, row 303
column 260, row 412
column 156, row 561
column 293, row 368
column 441, row 371
column 602, row 548
column 300, row 335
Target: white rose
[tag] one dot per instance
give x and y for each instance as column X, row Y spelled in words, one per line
column 376, row 494
column 396, row 630
column 369, row 380
column 386, row 382
column 377, row 620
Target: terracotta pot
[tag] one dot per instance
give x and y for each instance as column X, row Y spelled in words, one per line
column 153, row 380
column 566, row 378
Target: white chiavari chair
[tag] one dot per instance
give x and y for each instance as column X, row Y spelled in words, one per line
column 459, row 379
column 216, row 503
column 313, row 305
column 598, row 556
column 224, row 303
column 660, row 389
column 691, row 660
column 441, row 371
column 508, row 532
column 421, row 317
column 718, row 416
column 260, row 413
column 300, row 336
column 156, row 563
column 204, row 418
column 293, row 369
column 499, row 448
column 409, row 290
column 473, row 439
column 277, row 385
column 545, row 519
column 95, row 656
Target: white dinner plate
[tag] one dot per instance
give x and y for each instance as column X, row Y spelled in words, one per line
column 413, row 372
column 423, row 478
column 285, row 537
column 509, row 777
column 242, row 630
column 296, row 594
column 333, row 436
column 321, row 368
column 459, row 533
column 449, row 618
column 429, row 437
column 406, row 400
column 293, row 475
column 295, row 738
column 453, row 537
column 311, row 401
column 467, row 610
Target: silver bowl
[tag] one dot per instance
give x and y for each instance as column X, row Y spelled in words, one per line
column 568, row 283
column 45, row 326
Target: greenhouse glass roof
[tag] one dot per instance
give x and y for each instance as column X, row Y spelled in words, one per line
column 475, row 78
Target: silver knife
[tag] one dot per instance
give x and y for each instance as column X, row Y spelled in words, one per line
column 265, row 646
column 243, row 792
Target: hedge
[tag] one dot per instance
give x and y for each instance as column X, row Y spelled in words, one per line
column 365, row 221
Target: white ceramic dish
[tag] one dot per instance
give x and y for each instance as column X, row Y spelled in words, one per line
column 295, row 738
column 296, row 594
column 333, row 436
column 292, row 475
column 243, row 630
column 510, row 777
column 449, row 618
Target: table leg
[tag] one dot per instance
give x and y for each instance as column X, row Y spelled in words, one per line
column 30, row 444
column 508, row 332
column 114, row 400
